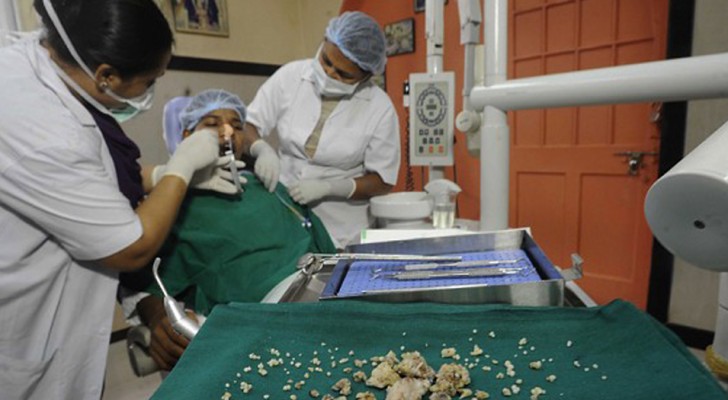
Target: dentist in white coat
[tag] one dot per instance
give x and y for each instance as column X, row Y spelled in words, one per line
column 338, row 132
column 75, row 206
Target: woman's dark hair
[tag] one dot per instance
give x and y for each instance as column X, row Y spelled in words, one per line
column 130, row 35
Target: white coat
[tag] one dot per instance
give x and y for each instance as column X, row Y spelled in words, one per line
column 59, row 204
column 360, row 136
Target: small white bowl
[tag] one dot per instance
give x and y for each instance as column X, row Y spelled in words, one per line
column 402, row 206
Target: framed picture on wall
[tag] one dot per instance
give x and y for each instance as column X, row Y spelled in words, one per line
column 207, row 17
column 400, row 37
column 420, row 5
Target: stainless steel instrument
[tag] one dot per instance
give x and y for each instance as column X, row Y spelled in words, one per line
column 378, row 257
column 461, row 264
column 540, row 283
column 452, row 273
column 230, row 151
column 181, row 323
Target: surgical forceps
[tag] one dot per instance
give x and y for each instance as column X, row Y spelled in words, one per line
column 321, row 259
column 230, row 151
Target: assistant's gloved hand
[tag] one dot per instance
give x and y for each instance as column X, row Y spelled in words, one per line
column 267, row 165
column 308, row 191
column 192, row 154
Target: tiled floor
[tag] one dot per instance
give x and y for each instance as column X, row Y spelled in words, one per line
column 700, row 355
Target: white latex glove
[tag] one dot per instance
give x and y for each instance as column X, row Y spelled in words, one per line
column 192, row 154
column 267, row 164
column 308, row 191
column 198, row 163
column 217, row 178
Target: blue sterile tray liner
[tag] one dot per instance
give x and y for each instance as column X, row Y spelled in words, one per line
column 536, row 266
column 366, row 276
column 621, row 352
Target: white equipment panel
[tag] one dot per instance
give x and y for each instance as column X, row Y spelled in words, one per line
column 432, row 114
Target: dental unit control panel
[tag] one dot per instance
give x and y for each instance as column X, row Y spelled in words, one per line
column 432, row 111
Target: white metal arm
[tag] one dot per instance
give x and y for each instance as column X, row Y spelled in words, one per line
column 701, row 77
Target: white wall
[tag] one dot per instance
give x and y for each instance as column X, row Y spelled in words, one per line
column 28, row 19
column 694, row 298
column 8, row 20
column 261, row 31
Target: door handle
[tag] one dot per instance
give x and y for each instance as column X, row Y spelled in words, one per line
column 634, row 159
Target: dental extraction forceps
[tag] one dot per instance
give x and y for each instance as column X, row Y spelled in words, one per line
column 230, row 151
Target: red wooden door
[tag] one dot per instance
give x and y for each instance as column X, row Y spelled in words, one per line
column 567, row 184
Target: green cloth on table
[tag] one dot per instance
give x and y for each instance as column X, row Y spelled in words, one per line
column 623, row 353
column 235, row 248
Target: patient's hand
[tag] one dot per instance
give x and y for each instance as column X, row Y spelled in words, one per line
column 166, row 344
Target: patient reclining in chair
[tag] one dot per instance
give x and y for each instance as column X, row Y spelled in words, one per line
column 222, row 248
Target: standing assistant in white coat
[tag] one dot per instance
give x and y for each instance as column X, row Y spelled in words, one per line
column 338, row 132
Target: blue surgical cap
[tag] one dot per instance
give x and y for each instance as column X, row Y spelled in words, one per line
column 207, row 101
column 361, row 40
column 170, row 122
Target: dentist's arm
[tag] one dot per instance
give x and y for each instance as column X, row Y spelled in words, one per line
column 158, row 211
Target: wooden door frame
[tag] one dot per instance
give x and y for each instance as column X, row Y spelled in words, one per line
column 681, row 21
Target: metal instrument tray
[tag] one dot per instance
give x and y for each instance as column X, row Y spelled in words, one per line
column 540, row 283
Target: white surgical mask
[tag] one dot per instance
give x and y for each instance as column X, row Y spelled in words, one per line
column 328, row 86
column 133, row 107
